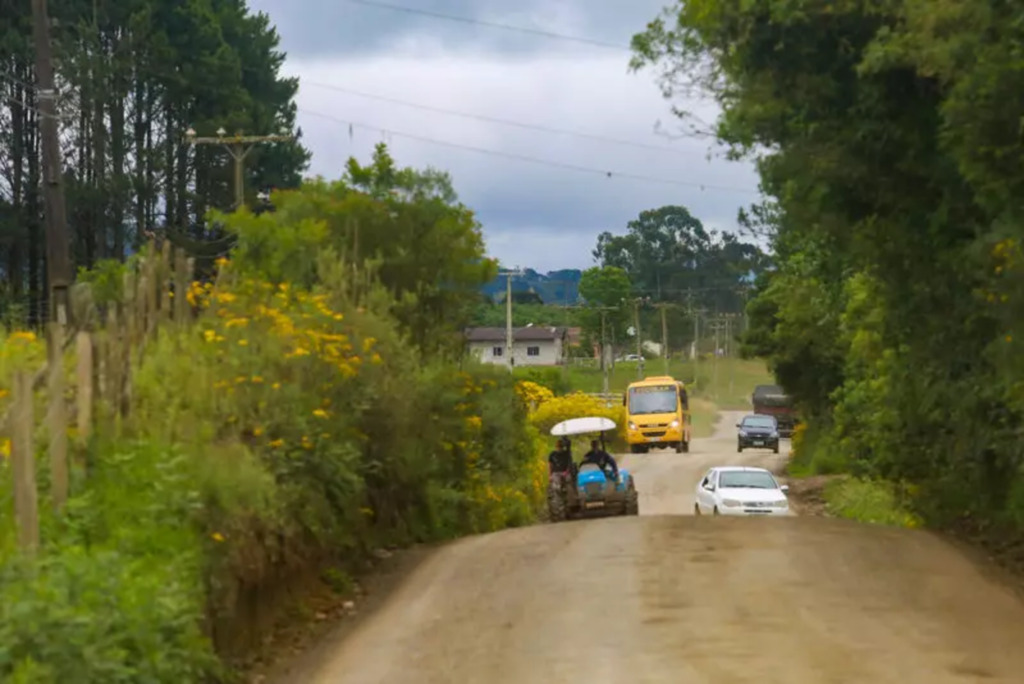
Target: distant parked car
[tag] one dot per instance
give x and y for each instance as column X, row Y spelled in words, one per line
column 631, row 357
column 740, row 490
column 757, row 431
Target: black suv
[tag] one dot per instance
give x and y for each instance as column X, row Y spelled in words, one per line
column 758, row 431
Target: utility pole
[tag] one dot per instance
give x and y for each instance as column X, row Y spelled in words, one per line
column 508, row 316
column 639, row 340
column 605, row 351
column 58, row 244
column 717, row 323
column 664, row 337
column 238, row 146
column 604, row 354
column 731, row 351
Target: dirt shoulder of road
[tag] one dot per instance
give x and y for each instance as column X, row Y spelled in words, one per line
column 322, row 617
column 988, row 546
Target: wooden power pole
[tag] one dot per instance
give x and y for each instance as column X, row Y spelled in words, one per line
column 664, row 337
column 238, row 146
column 58, row 243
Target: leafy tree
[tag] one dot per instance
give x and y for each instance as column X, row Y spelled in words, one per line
column 602, row 287
column 670, row 257
column 425, row 247
column 888, row 138
column 134, row 76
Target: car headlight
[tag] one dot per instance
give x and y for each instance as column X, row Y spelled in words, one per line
column 775, row 435
column 731, row 503
column 674, row 424
column 632, row 425
column 779, row 504
column 743, row 433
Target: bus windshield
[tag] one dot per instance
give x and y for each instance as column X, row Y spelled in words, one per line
column 653, row 399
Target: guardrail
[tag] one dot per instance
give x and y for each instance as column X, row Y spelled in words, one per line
column 610, row 399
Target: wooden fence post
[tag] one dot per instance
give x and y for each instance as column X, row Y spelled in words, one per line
column 151, row 278
column 164, row 281
column 84, row 391
column 57, row 419
column 181, row 283
column 112, row 363
column 23, row 465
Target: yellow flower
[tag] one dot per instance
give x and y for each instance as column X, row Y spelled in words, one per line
column 277, row 444
column 209, row 335
column 24, row 336
column 221, row 262
column 257, row 379
column 368, row 344
column 338, row 317
column 5, row 448
column 243, row 343
column 376, row 359
column 276, row 386
column 217, row 537
column 240, row 379
column 320, row 413
column 257, row 431
column 3, row 393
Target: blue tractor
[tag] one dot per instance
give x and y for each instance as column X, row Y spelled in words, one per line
column 588, row 491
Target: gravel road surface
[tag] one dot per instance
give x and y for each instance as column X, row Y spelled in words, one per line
column 669, row 597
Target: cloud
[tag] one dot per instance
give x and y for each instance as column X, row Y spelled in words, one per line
column 320, row 28
column 547, row 213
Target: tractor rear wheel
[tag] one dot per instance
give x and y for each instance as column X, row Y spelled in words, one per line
column 556, row 507
column 632, row 502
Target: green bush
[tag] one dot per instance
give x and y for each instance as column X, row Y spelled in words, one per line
column 296, row 426
column 869, row 501
column 554, row 379
column 118, row 594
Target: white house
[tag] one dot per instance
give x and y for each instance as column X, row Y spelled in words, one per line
column 531, row 346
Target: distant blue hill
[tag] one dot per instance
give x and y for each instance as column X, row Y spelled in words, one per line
column 555, row 287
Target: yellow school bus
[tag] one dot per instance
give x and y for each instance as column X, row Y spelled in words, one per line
column 657, row 415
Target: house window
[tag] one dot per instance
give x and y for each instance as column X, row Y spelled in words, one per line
column 497, row 351
column 533, row 351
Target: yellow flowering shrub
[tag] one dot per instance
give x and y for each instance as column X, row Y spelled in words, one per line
column 797, row 440
column 577, row 405
column 533, row 394
column 19, row 351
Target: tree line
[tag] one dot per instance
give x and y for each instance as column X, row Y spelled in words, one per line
column 132, row 78
column 666, row 258
column 887, row 136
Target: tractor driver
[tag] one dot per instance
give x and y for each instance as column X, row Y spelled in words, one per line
column 560, row 460
column 602, row 459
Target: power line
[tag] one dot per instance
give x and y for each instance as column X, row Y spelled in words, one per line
column 495, row 120
column 491, row 24
column 527, row 159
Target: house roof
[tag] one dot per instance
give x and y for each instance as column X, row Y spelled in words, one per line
column 530, row 333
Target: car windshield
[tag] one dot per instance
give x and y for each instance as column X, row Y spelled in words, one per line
column 746, row 479
column 758, row 422
column 658, row 399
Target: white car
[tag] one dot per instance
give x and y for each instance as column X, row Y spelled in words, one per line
column 740, row 490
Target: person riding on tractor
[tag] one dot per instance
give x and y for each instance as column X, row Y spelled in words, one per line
column 560, row 460
column 602, row 459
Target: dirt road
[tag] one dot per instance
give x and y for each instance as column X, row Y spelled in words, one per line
column 668, row 597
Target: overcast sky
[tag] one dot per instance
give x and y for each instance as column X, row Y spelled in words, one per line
column 541, row 215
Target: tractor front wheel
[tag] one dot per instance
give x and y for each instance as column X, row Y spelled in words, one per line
column 632, row 502
column 556, row 507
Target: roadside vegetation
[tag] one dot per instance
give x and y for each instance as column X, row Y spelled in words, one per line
column 317, row 410
column 728, row 389
column 887, row 137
